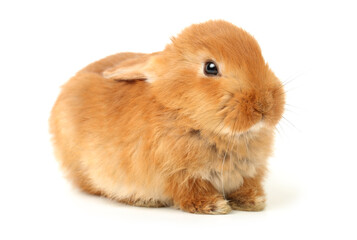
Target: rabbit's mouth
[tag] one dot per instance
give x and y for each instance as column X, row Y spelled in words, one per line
column 257, row 127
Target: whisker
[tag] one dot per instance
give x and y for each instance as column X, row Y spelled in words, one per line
column 282, row 93
column 219, row 132
column 287, row 104
column 294, row 77
column 287, row 82
column 277, row 130
column 225, row 155
column 289, row 110
column 290, row 123
column 282, row 129
column 246, row 146
column 228, row 91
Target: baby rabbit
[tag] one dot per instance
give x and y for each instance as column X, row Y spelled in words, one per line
column 191, row 126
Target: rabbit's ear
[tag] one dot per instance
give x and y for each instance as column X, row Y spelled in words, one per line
column 129, row 70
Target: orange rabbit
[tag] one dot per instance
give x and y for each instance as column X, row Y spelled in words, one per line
column 191, row 126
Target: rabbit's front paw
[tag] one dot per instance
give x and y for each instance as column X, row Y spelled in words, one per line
column 254, row 204
column 206, row 205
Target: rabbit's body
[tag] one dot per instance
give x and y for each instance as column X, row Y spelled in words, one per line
column 120, row 140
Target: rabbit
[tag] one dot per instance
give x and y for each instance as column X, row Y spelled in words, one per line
column 190, row 127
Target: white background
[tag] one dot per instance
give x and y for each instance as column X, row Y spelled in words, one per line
column 311, row 186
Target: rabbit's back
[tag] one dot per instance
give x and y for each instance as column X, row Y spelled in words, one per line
column 96, row 125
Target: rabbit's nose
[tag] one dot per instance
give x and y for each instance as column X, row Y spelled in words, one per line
column 264, row 103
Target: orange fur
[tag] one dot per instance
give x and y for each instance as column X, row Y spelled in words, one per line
column 153, row 130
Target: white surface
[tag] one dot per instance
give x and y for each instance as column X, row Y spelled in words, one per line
column 312, row 182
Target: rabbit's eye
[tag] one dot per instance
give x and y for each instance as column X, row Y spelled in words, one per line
column 211, row 69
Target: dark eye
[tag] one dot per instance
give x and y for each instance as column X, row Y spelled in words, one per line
column 211, row 69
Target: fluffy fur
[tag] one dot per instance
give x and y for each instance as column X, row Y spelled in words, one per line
column 153, row 130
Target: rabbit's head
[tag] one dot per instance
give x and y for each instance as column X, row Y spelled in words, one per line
column 213, row 73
